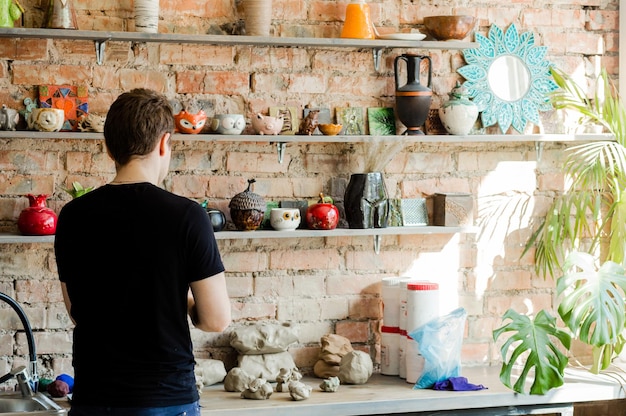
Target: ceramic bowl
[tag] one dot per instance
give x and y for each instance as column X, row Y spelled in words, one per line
column 329, row 129
column 449, row 27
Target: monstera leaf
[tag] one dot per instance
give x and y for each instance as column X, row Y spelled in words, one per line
column 592, row 303
column 533, row 339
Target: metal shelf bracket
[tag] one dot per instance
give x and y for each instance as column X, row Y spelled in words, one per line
column 280, row 146
column 377, row 239
column 100, row 44
column 378, row 53
column 539, row 150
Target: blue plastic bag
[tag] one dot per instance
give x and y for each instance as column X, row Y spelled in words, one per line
column 440, row 342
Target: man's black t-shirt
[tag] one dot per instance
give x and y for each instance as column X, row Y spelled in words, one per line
column 127, row 254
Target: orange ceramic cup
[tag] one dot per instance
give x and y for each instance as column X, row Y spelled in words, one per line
column 358, row 23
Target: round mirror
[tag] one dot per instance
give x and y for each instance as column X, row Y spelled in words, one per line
column 508, row 78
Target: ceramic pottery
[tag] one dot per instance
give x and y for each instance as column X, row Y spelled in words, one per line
column 46, row 119
column 147, row 16
column 10, row 11
column 366, row 202
column 266, row 124
column 190, row 123
column 247, row 209
column 61, row 15
column 412, row 98
column 228, row 123
column 92, row 122
column 8, row 118
column 358, row 23
column 217, row 217
column 458, row 114
column 322, row 216
column 258, row 17
column 37, row 219
column 285, row 219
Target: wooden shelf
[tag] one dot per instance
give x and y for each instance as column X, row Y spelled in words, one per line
column 505, row 138
column 261, row 41
column 259, row 234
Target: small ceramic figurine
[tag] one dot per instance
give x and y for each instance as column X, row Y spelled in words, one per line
column 46, row 119
column 8, row 118
column 190, row 123
column 267, row 124
column 92, row 122
column 310, row 122
column 10, row 11
column 228, row 123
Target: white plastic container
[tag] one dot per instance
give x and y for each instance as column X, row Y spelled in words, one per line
column 391, row 301
column 389, row 350
column 403, row 317
column 414, row 361
column 422, row 303
column 422, row 306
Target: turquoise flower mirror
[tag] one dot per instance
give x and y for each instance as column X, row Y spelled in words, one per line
column 508, row 78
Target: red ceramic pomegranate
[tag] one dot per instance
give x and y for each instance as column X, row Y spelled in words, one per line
column 322, row 216
column 37, row 219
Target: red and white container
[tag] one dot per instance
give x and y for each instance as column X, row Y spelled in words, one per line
column 389, row 350
column 422, row 306
column 390, row 293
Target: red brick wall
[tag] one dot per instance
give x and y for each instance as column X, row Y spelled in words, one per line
column 320, row 285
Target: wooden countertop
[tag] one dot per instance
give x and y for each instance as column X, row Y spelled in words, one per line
column 390, row 394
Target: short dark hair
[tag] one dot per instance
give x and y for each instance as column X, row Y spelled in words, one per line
column 135, row 123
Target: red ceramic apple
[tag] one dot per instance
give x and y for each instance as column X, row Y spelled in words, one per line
column 323, row 215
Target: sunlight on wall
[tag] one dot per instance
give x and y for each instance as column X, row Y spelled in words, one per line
column 505, row 205
column 428, row 266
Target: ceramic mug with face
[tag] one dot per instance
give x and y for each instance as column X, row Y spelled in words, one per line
column 46, row 119
column 228, row 123
column 285, row 219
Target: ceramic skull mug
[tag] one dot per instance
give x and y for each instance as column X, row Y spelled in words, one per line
column 285, row 219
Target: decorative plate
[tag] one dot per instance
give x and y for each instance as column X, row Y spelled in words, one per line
column 402, row 36
column 508, row 78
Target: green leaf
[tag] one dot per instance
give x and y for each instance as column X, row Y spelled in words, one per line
column 532, row 338
column 592, row 299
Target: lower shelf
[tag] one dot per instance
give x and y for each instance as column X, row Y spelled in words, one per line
column 258, row 234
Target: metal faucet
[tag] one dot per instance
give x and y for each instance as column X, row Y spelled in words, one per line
column 27, row 380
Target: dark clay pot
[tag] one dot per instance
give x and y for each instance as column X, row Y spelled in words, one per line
column 413, row 98
column 366, row 202
column 217, row 217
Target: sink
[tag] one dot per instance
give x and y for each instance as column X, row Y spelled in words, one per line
column 39, row 405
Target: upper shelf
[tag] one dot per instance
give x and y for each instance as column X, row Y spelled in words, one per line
column 505, row 138
column 102, row 36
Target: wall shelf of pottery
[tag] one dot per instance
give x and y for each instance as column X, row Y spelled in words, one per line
column 377, row 233
column 101, row 37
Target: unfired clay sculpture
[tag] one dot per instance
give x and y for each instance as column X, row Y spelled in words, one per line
column 259, row 389
column 237, row 380
column 330, row 385
column 334, row 347
column 266, row 366
column 262, row 339
column 209, row 372
column 285, row 376
column 356, row 368
column 299, row 391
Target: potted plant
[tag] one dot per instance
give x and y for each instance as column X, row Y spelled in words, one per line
column 78, row 190
column 583, row 235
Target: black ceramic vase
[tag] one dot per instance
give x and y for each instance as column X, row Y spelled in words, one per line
column 366, row 202
column 413, row 98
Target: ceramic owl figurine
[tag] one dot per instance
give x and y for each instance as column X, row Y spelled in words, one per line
column 285, row 219
column 228, row 123
column 190, row 123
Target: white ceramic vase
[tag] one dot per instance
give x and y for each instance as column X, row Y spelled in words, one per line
column 147, row 16
column 458, row 114
column 258, row 17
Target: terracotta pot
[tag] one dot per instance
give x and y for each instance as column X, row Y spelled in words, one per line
column 37, row 219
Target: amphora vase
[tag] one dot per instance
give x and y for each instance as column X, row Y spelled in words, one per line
column 366, row 201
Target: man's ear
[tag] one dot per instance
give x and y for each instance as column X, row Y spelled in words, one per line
column 164, row 143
